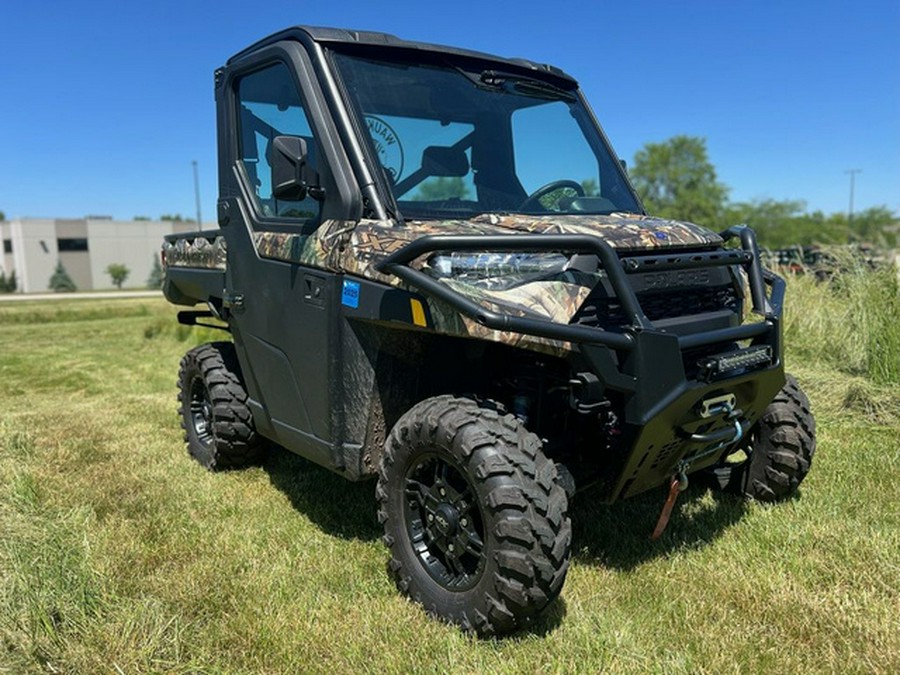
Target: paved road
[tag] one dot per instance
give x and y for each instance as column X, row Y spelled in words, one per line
column 103, row 295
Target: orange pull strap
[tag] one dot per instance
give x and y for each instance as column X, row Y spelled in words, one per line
column 674, row 488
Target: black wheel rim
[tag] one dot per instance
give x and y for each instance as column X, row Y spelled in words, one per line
column 201, row 412
column 444, row 522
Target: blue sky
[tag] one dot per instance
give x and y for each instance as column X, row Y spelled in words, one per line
column 106, row 104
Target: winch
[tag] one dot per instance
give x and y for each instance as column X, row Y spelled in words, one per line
column 719, row 440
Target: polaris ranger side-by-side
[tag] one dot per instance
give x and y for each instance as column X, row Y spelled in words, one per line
column 436, row 272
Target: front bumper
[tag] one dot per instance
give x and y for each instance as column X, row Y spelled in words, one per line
column 648, row 367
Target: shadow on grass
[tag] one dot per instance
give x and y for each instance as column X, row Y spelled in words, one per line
column 347, row 510
column 337, row 506
column 615, row 536
column 543, row 624
column 618, row 535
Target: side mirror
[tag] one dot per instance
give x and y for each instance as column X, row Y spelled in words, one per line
column 292, row 177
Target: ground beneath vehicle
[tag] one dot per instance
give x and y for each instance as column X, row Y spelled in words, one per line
column 436, row 272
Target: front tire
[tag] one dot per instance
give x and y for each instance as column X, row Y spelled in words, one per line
column 217, row 422
column 780, row 452
column 475, row 521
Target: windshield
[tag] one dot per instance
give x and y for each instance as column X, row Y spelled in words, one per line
column 455, row 140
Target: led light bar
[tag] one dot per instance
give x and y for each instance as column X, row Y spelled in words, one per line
column 739, row 360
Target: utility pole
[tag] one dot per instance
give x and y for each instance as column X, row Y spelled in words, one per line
column 852, row 173
column 197, row 195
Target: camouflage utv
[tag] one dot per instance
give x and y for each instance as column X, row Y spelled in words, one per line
column 435, row 272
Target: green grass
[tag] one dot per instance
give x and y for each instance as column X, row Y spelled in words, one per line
column 119, row 554
column 851, row 324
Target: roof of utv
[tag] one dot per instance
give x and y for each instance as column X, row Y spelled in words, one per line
column 372, row 39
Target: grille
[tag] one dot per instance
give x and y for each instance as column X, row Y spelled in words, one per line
column 606, row 313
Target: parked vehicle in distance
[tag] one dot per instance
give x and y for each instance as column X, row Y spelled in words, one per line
column 435, row 272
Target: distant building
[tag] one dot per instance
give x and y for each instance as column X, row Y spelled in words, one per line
column 85, row 247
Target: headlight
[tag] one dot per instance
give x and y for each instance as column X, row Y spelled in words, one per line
column 495, row 270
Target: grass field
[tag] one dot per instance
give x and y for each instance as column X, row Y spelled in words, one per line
column 119, row 554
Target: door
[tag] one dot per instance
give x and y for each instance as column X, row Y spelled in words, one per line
column 284, row 313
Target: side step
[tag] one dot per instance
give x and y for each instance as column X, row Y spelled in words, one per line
column 191, row 318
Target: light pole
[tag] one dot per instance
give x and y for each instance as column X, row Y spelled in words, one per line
column 197, row 194
column 852, row 173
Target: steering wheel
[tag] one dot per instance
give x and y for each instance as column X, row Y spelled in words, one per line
column 534, row 199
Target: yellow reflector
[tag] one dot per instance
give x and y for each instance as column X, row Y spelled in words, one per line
column 418, row 312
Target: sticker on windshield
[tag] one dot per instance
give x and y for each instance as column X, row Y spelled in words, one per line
column 387, row 145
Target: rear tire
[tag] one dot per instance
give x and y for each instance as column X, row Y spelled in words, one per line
column 781, row 449
column 475, row 521
column 217, row 422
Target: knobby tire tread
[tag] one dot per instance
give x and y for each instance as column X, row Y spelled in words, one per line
column 235, row 440
column 520, row 498
column 784, row 448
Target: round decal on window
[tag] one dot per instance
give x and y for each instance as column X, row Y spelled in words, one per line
column 387, row 145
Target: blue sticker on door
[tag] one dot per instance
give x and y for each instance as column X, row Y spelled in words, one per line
column 350, row 296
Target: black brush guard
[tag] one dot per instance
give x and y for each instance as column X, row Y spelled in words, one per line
column 663, row 430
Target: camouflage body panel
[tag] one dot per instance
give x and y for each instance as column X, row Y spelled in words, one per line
column 197, row 252
column 279, row 245
column 625, row 231
column 556, row 300
column 356, row 248
column 320, row 249
column 372, row 240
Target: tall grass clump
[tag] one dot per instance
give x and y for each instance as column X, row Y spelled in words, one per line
column 850, row 321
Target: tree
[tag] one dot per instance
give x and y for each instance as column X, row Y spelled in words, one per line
column 139, row 218
column 2, row 215
column 777, row 224
column 781, row 224
column 156, row 278
column 875, row 225
column 60, row 281
column 676, row 180
column 118, row 273
column 7, row 283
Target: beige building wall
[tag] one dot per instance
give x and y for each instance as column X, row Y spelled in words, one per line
column 78, row 267
column 77, row 263
column 134, row 244
column 34, row 253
